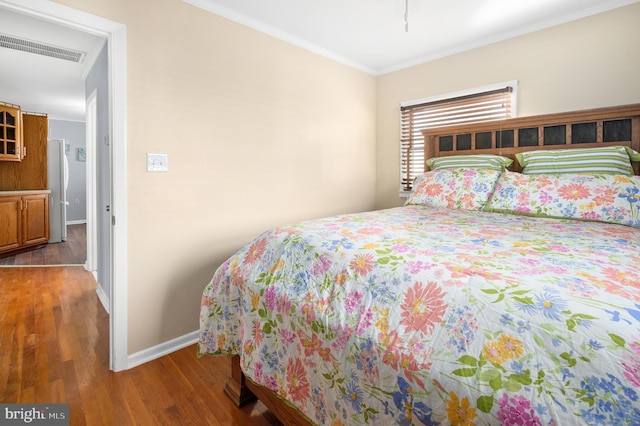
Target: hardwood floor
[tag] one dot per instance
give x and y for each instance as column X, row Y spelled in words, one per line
column 70, row 252
column 54, row 349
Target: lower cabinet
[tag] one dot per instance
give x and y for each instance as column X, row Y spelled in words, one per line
column 10, row 223
column 24, row 220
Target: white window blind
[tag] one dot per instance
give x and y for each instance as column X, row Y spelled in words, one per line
column 475, row 106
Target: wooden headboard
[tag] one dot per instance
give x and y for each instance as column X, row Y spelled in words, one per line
column 618, row 125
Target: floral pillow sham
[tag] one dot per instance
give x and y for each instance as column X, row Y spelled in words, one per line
column 458, row 188
column 600, row 197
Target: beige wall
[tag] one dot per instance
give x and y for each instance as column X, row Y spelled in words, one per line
column 593, row 62
column 258, row 133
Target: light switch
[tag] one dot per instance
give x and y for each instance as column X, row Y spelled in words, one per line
column 157, row 162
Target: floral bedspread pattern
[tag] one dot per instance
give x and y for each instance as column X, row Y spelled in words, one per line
column 422, row 315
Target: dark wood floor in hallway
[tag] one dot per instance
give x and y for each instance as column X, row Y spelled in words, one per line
column 70, row 252
column 54, row 349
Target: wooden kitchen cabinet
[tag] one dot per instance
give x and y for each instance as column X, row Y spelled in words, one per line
column 24, row 220
column 35, row 223
column 10, row 133
column 10, row 223
column 31, row 172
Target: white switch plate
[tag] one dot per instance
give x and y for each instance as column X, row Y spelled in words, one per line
column 157, row 162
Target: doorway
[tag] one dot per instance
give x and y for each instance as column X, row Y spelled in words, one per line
column 115, row 33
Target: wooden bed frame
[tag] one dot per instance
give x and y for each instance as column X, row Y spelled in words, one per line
column 588, row 128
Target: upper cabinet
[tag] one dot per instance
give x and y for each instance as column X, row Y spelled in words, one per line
column 31, row 172
column 10, row 133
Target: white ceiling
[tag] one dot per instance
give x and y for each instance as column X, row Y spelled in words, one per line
column 370, row 34
column 366, row 34
column 41, row 83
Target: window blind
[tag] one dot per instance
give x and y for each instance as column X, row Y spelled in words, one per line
column 477, row 107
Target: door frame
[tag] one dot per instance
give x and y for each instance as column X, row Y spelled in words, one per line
column 91, row 264
column 115, row 33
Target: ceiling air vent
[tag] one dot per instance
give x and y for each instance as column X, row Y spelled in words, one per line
column 38, row 48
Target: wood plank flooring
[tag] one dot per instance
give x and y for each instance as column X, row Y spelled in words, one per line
column 54, row 347
column 70, row 252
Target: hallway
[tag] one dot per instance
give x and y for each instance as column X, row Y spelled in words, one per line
column 71, row 252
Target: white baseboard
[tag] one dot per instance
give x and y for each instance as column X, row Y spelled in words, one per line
column 162, row 349
column 104, row 297
column 76, row 222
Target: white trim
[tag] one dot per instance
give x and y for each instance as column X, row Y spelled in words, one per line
column 63, row 15
column 472, row 91
column 116, row 36
column 119, row 255
column 103, row 297
column 76, row 222
column 91, row 182
column 163, row 349
column 476, row 43
column 247, row 21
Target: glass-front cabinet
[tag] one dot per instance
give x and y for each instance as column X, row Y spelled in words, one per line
column 10, row 132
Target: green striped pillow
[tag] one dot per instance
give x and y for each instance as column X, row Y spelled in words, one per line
column 608, row 159
column 479, row 161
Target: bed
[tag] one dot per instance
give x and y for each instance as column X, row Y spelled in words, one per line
column 494, row 296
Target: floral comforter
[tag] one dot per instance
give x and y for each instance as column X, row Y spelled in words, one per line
column 418, row 315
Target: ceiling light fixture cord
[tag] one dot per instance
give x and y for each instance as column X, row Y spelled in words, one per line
column 406, row 16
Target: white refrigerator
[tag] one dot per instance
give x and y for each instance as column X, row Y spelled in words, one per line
column 58, row 181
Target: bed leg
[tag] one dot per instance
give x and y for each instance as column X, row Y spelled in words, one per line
column 235, row 388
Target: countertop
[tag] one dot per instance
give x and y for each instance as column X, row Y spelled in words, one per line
column 26, row 192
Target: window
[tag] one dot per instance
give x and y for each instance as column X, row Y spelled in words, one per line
column 488, row 103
